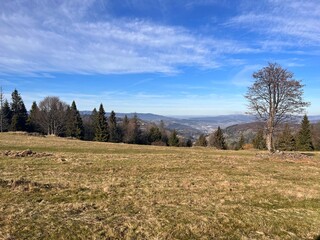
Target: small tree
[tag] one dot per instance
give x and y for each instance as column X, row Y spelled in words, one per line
column 174, row 139
column 33, row 119
column 19, row 112
column 286, row 141
column 101, row 131
column 259, row 142
column 274, row 97
column 74, row 122
column 113, row 128
column 202, row 141
column 154, row 135
column 7, row 116
column 241, row 142
column 304, row 139
column 217, row 139
column 1, row 109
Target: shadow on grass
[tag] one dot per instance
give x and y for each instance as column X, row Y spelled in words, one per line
column 309, row 155
column 317, row 237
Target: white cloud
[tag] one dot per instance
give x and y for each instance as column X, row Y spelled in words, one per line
column 48, row 36
column 284, row 24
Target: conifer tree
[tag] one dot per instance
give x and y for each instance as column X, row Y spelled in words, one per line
column 202, row 141
column 154, row 135
column 259, row 141
column 101, row 131
column 218, row 140
column 286, row 140
column 1, row 109
column 19, row 112
column 113, row 128
column 74, row 124
column 304, row 139
column 7, row 116
column 33, row 118
column 174, row 139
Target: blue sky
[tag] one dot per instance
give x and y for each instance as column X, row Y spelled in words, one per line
column 182, row 57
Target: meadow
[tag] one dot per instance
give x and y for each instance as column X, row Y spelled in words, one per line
column 71, row 189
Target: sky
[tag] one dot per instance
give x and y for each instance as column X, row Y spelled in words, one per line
column 169, row 57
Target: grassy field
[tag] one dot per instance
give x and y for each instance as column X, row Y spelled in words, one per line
column 70, row 189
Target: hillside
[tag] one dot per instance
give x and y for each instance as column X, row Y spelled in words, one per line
column 71, row 189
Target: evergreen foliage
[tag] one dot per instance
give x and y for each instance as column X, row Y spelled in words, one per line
column 286, row 141
column 217, row 140
column 174, row 139
column 74, row 125
column 202, row 141
column 19, row 112
column 304, row 139
column 134, row 131
column 7, row 116
column 259, row 142
column 101, row 131
column 154, row 135
column 113, row 128
column 33, row 119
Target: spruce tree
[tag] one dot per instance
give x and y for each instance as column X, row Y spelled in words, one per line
column 154, row 135
column 218, row 140
column 74, row 124
column 304, row 139
column 259, row 142
column 1, row 109
column 19, row 112
column 33, row 118
column 7, row 116
column 113, row 128
column 174, row 139
column 164, row 135
column 101, row 131
column 286, row 141
column 202, row 141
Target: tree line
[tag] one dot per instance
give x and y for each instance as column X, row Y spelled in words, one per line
column 55, row 117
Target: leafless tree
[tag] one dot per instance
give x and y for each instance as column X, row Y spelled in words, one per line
column 52, row 115
column 275, row 97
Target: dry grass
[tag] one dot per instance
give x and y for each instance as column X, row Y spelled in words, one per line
column 85, row 190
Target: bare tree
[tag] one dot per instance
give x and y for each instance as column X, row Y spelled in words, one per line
column 275, row 97
column 52, row 115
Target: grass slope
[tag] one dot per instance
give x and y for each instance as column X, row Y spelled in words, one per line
column 88, row 190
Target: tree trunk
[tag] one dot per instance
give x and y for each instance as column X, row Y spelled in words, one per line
column 269, row 137
column 269, row 142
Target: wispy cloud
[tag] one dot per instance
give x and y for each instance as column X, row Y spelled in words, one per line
column 45, row 37
column 284, row 24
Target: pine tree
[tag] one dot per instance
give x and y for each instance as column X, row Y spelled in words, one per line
column 174, row 139
column 101, row 131
column 259, row 142
column 202, row 141
column 19, row 112
column 7, row 116
column 33, row 118
column 286, row 141
column 154, row 135
column 113, row 128
column 164, row 135
column 218, row 140
column 304, row 140
column 74, row 123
